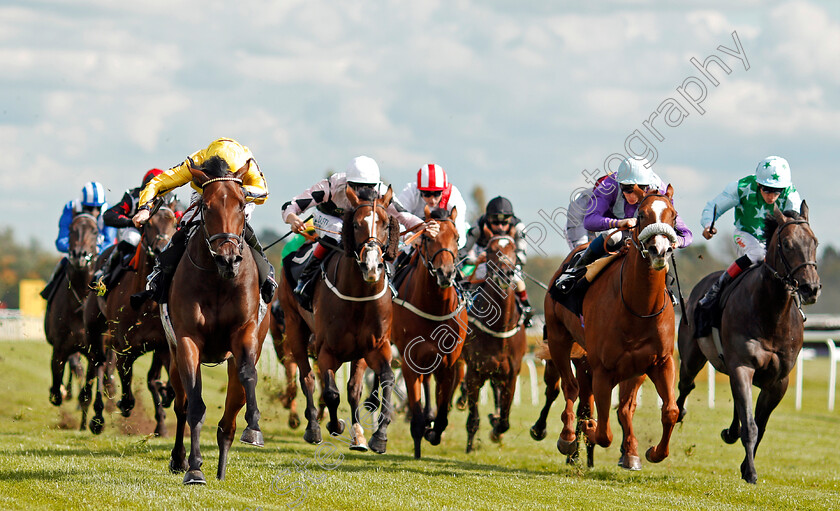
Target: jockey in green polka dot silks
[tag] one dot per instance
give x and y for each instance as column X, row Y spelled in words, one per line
column 753, row 198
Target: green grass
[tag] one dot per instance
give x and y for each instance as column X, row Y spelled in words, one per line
column 43, row 466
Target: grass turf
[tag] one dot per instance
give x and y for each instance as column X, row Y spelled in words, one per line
column 46, row 463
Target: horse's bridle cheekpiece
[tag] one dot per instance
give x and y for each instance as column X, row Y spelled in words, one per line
column 227, row 236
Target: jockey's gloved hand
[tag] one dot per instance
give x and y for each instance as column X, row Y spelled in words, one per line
column 141, row 217
column 432, row 228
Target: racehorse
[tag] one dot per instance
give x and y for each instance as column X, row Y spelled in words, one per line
column 133, row 333
column 216, row 315
column 761, row 329
column 351, row 321
column 430, row 325
column 63, row 322
column 496, row 345
column 277, row 327
column 629, row 332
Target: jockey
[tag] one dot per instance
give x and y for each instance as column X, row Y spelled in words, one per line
column 575, row 232
column 614, row 205
column 753, row 198
column 499, row 218
column 330, row 202
column 119, row 217
column 433, row 189
column 233, row 156
column 91, row 201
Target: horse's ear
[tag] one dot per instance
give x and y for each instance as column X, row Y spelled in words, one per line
column 198, row 175
column 427, row 212
column 351, row 196
column 803, row 211
column 454, row 213
column 778, row 215
column 669, row 192
column 239, row 174
column 386, row 199
column 487, row 233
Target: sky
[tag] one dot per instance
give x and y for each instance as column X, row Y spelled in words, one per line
column 522, row 98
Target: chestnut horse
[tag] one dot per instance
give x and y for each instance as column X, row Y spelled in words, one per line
column 629, row 332
column 216, row 315
column 496, row 344
column 351, row 321
column 63, row 323
column 761, row 329
column 132, row 333
column 430, row 326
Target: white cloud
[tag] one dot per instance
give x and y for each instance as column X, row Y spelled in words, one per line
column 806, row 37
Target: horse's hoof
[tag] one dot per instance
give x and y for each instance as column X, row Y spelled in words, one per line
column 494, row 419
column 339, row 429
column 194, row 477
column 294, row 421
column 728, row 437
column 683, row 411
column 432, row 437
column 630, row 462
column 378, row 445
column 96, row 426
column 252, row 437
column 55, row 399
column 177, row 468
column 567, row 448
column 360, row 447
column 495, row 437
column 538, row 434
column 649, row 456
column 312, row 435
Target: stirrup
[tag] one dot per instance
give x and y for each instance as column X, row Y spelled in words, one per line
column 567, row 280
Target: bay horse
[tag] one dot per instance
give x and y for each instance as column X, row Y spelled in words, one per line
column 496, row 345
column 132, row 333
column 629, row 332
column 277, row 327
column 351, row 321
column 761, row 329
column 430, row 326
column 63, row 322
column 216, row 315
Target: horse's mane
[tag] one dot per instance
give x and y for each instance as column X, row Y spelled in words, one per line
column 215, row 167
column 770, row 223
column 439, row 214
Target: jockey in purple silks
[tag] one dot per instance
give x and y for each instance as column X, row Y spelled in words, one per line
column 615, row 207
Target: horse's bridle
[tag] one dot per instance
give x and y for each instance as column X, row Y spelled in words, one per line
column 372, row 242
column 148, row 247
column 90, row 256
column 651, row 230
column 791, row 283
column 225, row 236
column 428, row 262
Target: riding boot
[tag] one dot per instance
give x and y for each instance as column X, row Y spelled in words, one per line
column 711, row 296
column 566, row 281
column 306, row 282
column 266, row 271
column 157, row 283
column 104, row 277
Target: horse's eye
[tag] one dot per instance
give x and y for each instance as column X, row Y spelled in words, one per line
column 788, row 245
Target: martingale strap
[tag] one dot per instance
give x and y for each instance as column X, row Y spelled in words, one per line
column 339, row 294
column 493, row 333
column 426, row 315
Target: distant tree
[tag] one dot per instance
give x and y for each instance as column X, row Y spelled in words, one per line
column 480, row 200
column 19, row 261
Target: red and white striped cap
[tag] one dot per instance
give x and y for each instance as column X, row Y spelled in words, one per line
column 431, row 178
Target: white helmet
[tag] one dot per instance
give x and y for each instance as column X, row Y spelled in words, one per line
column 634, row 172
column 773, row 172
column 363, row 170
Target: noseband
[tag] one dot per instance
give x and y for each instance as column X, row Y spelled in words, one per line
column 791, row 283
column 228, row 237
column 653, row 229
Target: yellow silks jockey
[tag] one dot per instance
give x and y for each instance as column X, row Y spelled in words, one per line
column 232, row 152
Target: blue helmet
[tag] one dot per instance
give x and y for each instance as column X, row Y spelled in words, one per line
column 93, row 194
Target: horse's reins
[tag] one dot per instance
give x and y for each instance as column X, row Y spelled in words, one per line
column 790, row 283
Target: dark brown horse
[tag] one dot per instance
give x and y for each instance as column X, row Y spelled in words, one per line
column 216, row 313
column 430, row 324
column 63, row 322
column 277, row 327
column 629, row 332
column 132, row 333
column 496, row 341
column 351, row 322
column 761, row 329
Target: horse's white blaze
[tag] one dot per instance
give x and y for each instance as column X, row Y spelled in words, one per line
column 371, row 221
column 662, row 243
column 503, row 243
column 658, row 207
